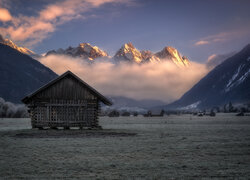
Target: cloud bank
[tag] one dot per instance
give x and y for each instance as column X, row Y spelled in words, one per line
column 160, row 81
column 33, row 29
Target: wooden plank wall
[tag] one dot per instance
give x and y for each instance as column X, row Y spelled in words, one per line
column 67, row 88
column 65, row 115
column 65, row 104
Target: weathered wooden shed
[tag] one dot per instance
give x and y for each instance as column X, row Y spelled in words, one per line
column 66, row 101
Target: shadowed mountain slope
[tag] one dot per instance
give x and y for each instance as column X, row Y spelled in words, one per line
column 20, row 74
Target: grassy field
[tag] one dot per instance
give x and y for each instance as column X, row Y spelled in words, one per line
column 170, row 147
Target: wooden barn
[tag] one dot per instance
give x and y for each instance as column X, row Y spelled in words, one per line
column 67, row 101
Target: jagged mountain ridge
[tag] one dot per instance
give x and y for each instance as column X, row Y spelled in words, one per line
column 129, row 53
column 228, row 82
column 23, row 50
column 174, row 55
column 84, row 50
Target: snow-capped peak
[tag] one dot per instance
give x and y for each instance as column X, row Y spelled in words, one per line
column 171, row 53
column 128, row 53
column 84, row 50
column 23, row 50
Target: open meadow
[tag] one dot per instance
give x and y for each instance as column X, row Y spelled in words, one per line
column 169, row 147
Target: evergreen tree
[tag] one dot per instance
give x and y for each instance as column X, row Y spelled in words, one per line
column 230, row 107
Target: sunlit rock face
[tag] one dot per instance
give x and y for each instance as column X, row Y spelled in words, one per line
column 14, row 46
column 148, row 56
column 84, row 50
column 129, row 53
column 172, row 54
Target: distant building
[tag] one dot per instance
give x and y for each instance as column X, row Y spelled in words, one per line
column 67, row 101
column 154, row 113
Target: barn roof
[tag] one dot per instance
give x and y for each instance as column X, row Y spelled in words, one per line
column 69, row 73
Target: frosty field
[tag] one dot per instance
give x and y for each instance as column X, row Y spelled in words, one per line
column 169, row 147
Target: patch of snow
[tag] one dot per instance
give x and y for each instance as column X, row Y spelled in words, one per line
column 191, row 106
column 154, row 59
column 243, row 77
column 231, row 82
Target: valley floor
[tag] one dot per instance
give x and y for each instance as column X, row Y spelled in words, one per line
column 170, row 147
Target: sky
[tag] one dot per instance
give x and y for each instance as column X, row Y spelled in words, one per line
column 197, row 28
column 205, row 31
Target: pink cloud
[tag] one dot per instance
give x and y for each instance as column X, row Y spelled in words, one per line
column 211, row 57
column 5, row 15
column 223, row 36
column 202, row 42
column 32, row 30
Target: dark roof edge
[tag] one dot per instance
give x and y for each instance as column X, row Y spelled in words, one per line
column 99, row 95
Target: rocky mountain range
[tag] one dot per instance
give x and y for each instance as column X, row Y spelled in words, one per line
column 227, row 82
column 20, row 75
column 127, row 53
column 84, row 50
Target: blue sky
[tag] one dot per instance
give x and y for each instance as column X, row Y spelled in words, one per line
column 196, row 28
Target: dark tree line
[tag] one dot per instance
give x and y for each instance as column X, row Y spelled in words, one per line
column 228, row 108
